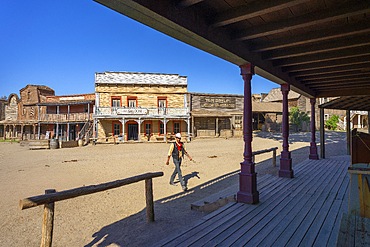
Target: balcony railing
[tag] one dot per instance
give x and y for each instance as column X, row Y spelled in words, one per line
column 65, row 117
column 138, row 111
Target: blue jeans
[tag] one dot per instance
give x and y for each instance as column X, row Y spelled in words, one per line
column 177, row 171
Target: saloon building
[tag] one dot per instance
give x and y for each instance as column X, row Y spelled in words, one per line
column 132, row 106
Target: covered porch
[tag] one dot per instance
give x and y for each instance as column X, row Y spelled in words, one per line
column 304, row 211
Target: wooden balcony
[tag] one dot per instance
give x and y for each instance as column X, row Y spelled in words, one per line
column 117, row 112
column 65, row 117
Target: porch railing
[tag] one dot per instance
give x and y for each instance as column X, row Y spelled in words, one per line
column 65, row 117
column 129, row 111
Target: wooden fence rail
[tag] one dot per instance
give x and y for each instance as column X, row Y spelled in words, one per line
column 273, row 150
column 51, row 196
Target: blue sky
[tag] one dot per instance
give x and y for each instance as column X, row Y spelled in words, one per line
column 61, row 44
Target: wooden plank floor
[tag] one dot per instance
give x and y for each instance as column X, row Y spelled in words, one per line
column 303, row 211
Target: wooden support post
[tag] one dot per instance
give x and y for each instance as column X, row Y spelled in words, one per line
column 313, row 148
column 285, row 158
column 322, row 134
column 247, row 177
column 348, row 130
column 48, row 223
column 149, row 200
column 274, row 158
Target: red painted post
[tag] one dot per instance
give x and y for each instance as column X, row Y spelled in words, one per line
column 247, row 177
column 313, row 148
column 286, row 170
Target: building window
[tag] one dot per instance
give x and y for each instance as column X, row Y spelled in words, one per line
column 326, row 116
column 176, row 127
column 132, row 102
column 162, row 102
column 161, row 128
column 148, row 128
column 238, row 122
column 116, row 101
column 116, row 129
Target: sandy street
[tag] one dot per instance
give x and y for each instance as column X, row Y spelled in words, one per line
column 117, row 217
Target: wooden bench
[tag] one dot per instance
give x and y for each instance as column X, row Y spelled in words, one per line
column 354, row 231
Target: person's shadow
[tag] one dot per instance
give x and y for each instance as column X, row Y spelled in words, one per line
column 189, row 176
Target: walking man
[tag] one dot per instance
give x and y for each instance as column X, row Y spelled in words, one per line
column 177, row 151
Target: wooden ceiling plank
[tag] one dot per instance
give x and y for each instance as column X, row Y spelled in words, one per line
column 187, row 3
column 254, row 9
column 331, row 70
column 327, row 56
column 310, row 19
column 341, row 77
column 336, row 86
column 313, row 36
column 332, row 45
column 337, row 74
column 333, row 92
column 341, row 64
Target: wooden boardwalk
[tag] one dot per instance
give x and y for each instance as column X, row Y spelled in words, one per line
column 303, row 211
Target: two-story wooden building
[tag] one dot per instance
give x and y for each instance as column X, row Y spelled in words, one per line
column 39, row 114
column 133, row 106
column 67, row 117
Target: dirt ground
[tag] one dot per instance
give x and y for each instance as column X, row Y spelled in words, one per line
column 117, row 217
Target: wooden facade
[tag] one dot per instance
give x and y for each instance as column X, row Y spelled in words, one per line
column 39, row 114
column 221, row 115
column 134, row 106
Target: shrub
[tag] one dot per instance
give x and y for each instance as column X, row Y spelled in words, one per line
column 297, row 117
column 332, row 122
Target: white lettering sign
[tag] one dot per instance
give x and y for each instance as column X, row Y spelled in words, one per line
column 132, row 111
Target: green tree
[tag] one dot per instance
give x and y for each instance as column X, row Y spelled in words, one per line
column 297, row 117
column 332, row 122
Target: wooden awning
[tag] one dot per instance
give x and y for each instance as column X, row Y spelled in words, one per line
column 359, row 103
column 321, row 48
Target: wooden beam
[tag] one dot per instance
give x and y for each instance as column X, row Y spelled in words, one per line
column 312, row 37
column 337, row 74
column 331, row 45
column 327, row 56
column 86, row 190
column 336, row 65
column 333, row 92
column 323, row 16
column 187, row 3
column 354, row 79
column 254, row 9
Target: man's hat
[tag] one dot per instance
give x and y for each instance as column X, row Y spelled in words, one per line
column 178, row 135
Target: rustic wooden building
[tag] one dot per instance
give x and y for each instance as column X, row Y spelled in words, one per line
column 67, row 117
column 133, row 106
column 221, row 115
column 21, row 114
column 3, row 103
column 39, row 114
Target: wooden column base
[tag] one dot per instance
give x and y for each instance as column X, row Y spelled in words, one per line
column 313, row 152
column 286, row 165
column 248, row 188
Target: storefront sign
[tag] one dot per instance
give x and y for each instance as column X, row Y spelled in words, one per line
column 132, row 111
column 217, row 102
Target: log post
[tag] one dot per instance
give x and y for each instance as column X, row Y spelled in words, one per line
column 48, row 222
column 274, row 157
column 149, row 200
